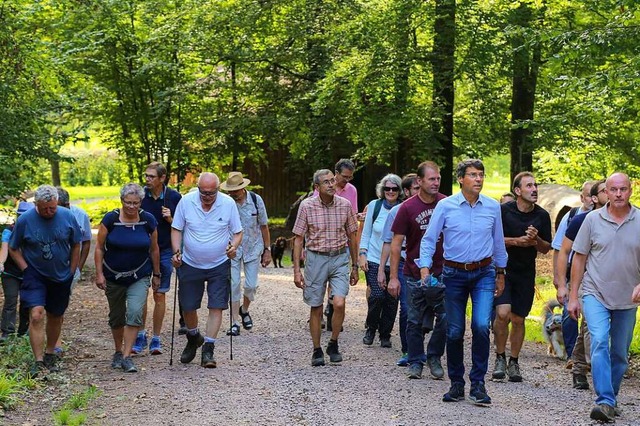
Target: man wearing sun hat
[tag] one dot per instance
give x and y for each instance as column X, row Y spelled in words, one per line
column 254, row 250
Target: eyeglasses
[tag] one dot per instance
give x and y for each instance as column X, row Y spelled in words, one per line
column 347, row 178
column 391, row 189
column 207, row 193
column 331, row 181
column 131, row 203
column 148, row 176
column 602, row 190
column 475, row 175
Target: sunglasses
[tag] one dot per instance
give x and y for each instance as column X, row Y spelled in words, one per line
column 391, row 189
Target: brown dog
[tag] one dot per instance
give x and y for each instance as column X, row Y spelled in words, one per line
column 277, row 251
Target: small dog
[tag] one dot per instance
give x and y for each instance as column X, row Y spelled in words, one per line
column 277, row 251
column 552, row 330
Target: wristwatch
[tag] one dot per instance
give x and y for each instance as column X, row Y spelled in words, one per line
column 267, row 248
column 157, row 275
column 500, row 271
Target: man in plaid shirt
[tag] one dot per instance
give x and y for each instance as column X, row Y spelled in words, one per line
column 328, row 224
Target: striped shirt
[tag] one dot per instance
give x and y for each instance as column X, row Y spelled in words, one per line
column 326, row 227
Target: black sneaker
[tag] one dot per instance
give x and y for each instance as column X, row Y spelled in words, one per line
column 333, row 351
column 51, row 362
column 208, row 360
column 317, row 359
column 193, row 343
column 603, row 413
column 39, row 370
column 414, row 371
column 455, row 394
column 116, row 361
column 369, row 335
column 478, row 395
column 182, row 330
column 435, row 367
column 128, row 366
column 580, row 381
column 513, row 371
column 385, row 342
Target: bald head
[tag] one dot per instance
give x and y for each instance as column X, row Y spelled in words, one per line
column 208, row 178
column 619, row 190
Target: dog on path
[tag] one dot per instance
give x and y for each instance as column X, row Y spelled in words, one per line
column 552, row 330
column 277, row 251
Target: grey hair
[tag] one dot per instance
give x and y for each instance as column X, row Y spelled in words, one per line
column 132, row 189
column 46, row 193
column 389, row 178
column 344, row 163
column 63, row 197
column 462, row 167
column 318, row 173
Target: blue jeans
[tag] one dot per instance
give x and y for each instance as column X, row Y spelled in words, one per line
column 403, row 308
column 611, row 333
column 459, row 285
column 569, row 330
column 421, row 304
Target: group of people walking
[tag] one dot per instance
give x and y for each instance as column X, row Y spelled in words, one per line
column 419, row 249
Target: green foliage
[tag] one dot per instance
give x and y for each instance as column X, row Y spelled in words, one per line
column 97, row 210
column 95, row 167
column 15, row 363
column 67, row 414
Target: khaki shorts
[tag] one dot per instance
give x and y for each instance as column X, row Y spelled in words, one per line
column 319, row 269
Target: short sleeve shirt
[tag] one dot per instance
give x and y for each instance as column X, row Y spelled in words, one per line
column 206, row 234
column 83, row 222
column 412, row 221
column 613, row 257
column 326, row 227
column 168, row 198
column 253, row 218
column 46, row 243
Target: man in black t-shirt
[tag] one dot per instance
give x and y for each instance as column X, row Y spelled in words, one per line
column 527, row 231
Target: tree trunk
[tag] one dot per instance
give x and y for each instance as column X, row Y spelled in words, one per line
column 55, row 172
column 526, row 64
column 443, row 64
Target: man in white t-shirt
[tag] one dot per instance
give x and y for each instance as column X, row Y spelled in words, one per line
column 206, row 232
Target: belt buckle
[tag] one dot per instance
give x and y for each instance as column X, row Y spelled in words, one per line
column 465, row 267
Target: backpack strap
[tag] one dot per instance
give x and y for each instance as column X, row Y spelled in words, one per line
column 254, row 197
column 376, row 210
column 572, row 213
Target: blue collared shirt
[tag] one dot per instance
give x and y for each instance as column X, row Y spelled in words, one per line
column 471, row 233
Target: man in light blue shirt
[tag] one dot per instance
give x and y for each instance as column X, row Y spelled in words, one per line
column 475, row 260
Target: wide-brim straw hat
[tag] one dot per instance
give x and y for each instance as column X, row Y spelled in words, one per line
column 234, row 182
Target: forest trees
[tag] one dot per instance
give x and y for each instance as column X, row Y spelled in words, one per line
column 214, row 84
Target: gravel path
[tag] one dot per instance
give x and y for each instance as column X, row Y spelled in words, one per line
column 270, row 380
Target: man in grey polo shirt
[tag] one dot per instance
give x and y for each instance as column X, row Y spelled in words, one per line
column 328, row 224
column 606, row 264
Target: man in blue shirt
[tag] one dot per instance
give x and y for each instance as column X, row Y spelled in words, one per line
column 474, row 265
column 45, row 244
column 161, row 202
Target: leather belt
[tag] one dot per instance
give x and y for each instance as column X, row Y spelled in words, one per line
column 330, row 253
column 471, row 266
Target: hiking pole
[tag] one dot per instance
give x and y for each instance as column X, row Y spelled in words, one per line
column 230, row 322
column 173, row 322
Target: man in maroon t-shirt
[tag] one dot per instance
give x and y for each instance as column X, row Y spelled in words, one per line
column 425, row 301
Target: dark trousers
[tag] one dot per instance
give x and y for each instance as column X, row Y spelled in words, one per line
column 382, row 306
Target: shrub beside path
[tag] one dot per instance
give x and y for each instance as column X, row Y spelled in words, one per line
column 270, row 381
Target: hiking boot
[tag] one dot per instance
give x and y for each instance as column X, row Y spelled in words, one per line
column 116, row 361
column 403, row 361
column 208, row 360
column 603, row 413
column 317, row 358
column 513, row 371
column 580, row 381
column 455, row 394
column 182, row 330
column 385, row 342
column 51, row 362
column 333, row 351
column 128, row 366
column 500, row 370
column 155, row 348
column 369, row 335
column 140, row 344
column 58, row 351
column 193, row 343
column 478, row 395
column 435, row 367
column 415, row 371
column 39, row 370
column 247, row 322
column 234, row 330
